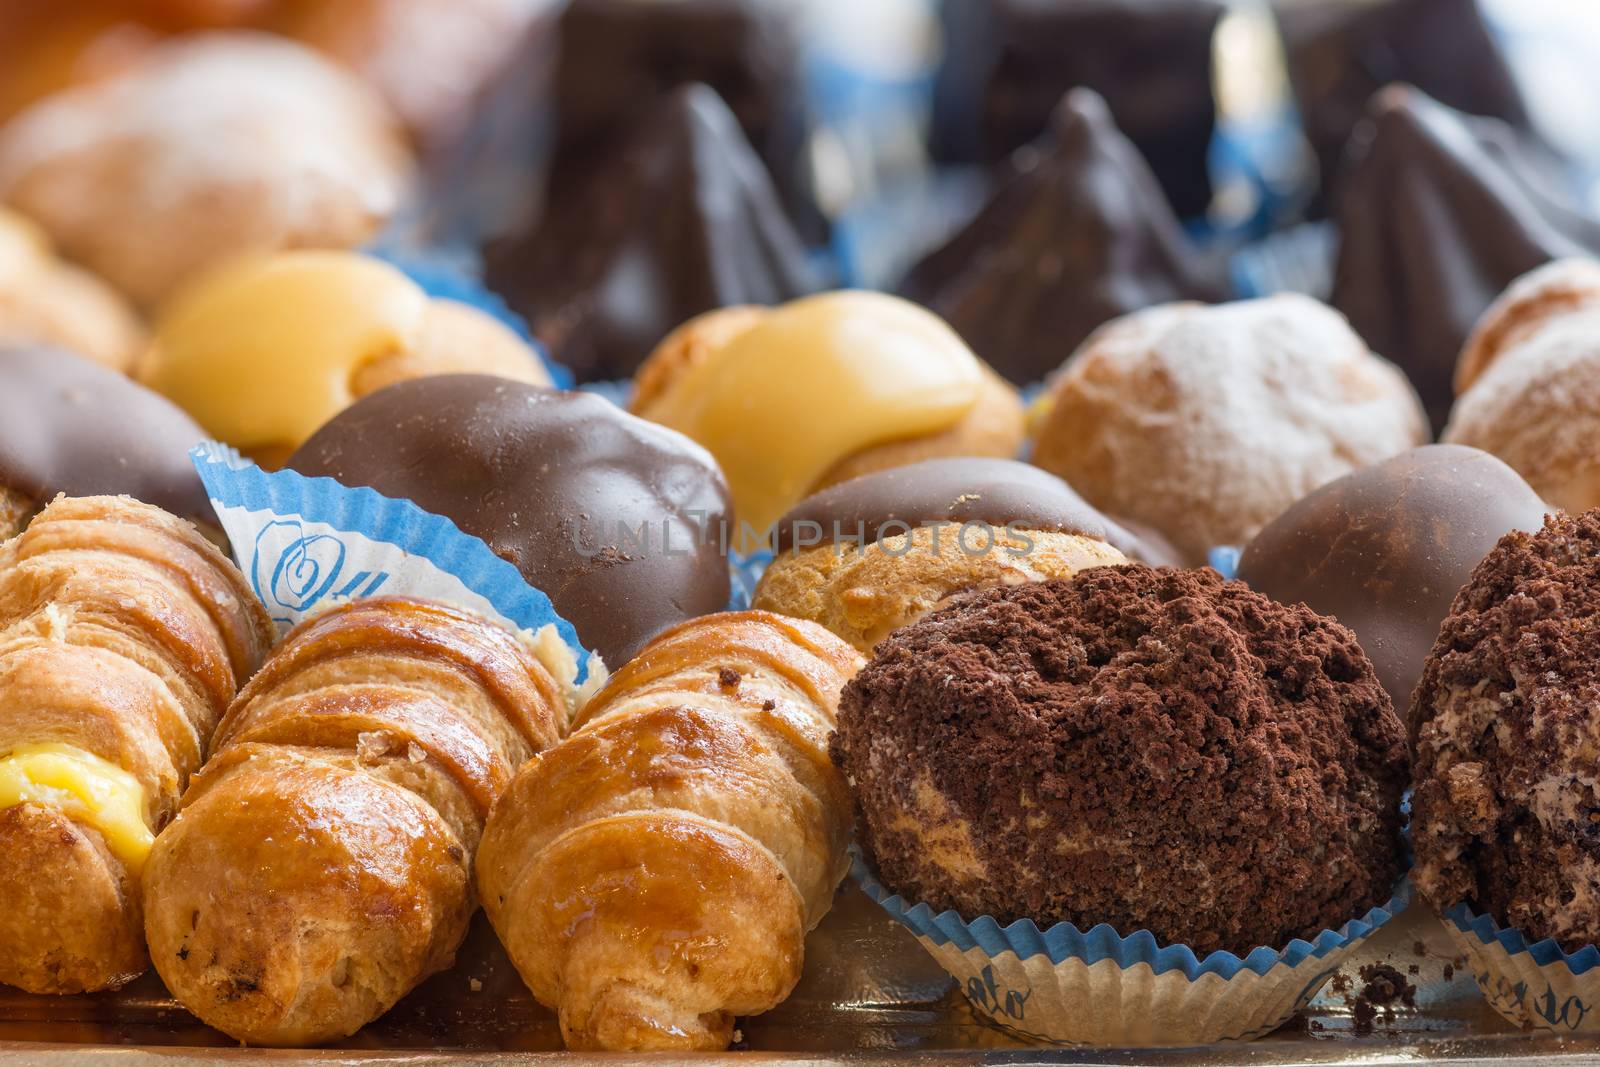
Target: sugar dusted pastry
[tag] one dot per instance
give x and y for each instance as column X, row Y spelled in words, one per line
column 46, row 301
column 210, row 146
column 655, row 874
column 1204, row 422
column 1530, row 376
column 267, row 349
column 870, row 555
column 123, row 634
column 322, row 863
column 823, row 389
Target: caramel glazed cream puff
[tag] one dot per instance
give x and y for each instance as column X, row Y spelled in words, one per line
column 823, row 389
column 876, row 553
column 264, row 351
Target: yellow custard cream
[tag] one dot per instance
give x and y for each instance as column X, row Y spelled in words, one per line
column 84, row 787
column 813, row 382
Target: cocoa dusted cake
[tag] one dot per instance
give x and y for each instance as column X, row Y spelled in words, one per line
column 1150, row 748
column 1506, row 808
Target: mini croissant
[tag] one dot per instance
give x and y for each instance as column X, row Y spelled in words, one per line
column 655, row 875
column 321, row 865
column 123, row 635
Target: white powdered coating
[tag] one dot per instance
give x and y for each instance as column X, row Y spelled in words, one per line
column 212, row 145
column 1557, row 288
column 1537, row 407
column 1206, row 422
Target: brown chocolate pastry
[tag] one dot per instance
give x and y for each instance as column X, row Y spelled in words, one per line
column 995, row 492
column 72, row 426
column 1438, row 213
column 1078, row 236
column 1385, row 549
column 677, row 220
column 1009, row 61
column 614, row 518
column 1150, row 748
column 1506, row 808
column 1340, row 52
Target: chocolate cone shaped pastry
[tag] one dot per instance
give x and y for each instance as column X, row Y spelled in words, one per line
column 1077, row 238
column 614, row 57
column 680, row 220
column 1340, row 53
column 1150, row 59
column 1438, row 213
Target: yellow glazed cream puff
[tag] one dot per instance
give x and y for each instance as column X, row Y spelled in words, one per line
column 796, row 398
column 265, row 350
column 45, row 301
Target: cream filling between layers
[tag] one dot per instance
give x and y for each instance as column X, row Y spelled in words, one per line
column 85, row 788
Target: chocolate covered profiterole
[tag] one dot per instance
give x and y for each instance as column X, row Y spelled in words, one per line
column 1503, row 731
column 68, row 425
column 1155, row 749
column 1385, row 549
column 617, row 520
column 870, row 555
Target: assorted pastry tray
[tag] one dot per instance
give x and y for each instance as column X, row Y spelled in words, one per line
column 869, row 994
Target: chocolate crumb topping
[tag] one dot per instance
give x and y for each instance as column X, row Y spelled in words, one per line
column 1151, row 748
column 728, row 678
column 1503, row 727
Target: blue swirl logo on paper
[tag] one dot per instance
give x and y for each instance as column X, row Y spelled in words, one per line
column 294, row 570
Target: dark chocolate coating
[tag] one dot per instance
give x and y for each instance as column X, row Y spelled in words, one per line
column 1341, row 52
column 548, row 479
column 1385, row 549
column 997, row 492
column 72, row 426
column 615, row 58
column 1079, row 236
column 1008, row 62
column 1438, row 213
column 682, row 219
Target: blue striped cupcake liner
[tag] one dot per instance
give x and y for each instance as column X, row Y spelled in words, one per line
column 1063, row 985
column 1537, row 984
column 306, row 544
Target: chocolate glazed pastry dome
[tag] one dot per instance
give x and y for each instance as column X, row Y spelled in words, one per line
column 679, row 219
column 549, row 480
column 1504, row 812
column 1438, row 213
column 1385, row 549
column 1151, row 748
column 68, row 425
column 1080, row 235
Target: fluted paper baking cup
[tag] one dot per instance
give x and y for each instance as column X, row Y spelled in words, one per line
column 306, row 544
column 1539, row 984
column 1067, row 986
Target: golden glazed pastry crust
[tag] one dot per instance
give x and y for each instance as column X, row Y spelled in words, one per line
column 123, row 634
column 209, row 147
column 1204, row 423
column 46, row 301
column 321, row 865
column 655, row 874
column 862, row 595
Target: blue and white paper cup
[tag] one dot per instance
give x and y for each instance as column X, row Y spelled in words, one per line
column 1539, row 984
column 308, row 544
column 1066, row 986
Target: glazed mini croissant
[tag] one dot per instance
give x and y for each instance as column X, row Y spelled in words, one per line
column 123, row 633
column 655, row 874
column 321, row 865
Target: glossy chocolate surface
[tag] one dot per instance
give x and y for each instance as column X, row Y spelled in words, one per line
column 1078, row 236
column 1439, row 212
column 1384, row 550
column 1340, row 52
column 71, row 426
column 680, row 220
column 549, row 480
column 997, row 492
column 1008, row 62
